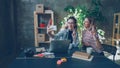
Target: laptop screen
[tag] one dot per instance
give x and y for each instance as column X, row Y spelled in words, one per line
column 59, row 46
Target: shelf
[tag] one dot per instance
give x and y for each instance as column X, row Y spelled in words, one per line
column 116, row 28
column 116, row 39
column 41, row 28
column 45, row 42
column 46, row 12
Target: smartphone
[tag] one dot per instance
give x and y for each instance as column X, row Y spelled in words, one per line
column 53, row 27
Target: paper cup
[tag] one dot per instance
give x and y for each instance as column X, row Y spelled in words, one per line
column 89, row 50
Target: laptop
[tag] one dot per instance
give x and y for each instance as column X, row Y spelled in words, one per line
column 59, row 46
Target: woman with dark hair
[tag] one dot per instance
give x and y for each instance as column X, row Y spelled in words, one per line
column 69, row 33
column 90, row 36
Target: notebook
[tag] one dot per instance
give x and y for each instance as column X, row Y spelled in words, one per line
column 82, row 56
column 59, row 46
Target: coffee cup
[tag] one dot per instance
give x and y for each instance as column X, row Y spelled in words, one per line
column 89, row 50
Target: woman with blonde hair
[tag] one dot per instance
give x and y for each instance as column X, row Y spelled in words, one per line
column 90, row 36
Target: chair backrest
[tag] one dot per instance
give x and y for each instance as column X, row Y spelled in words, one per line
column 110, row 49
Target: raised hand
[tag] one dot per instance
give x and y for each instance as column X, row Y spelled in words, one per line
column 74, row 34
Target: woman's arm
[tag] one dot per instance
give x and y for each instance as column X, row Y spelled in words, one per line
column 58, row 35
column 76, row 41
column 49, row 32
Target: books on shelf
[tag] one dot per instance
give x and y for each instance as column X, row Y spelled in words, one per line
column 82, row 56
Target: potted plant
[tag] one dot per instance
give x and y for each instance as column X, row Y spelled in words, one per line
column 81, row 12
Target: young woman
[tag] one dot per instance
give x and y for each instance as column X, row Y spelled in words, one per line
column 90, row 36
column 69, row 33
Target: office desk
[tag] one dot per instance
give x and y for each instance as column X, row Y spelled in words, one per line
column 97, row 62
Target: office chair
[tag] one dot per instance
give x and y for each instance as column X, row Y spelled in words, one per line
column 110, row 49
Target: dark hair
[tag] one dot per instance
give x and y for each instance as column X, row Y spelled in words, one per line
column 74, row 19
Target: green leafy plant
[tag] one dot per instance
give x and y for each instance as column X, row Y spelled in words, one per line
column 101, row 34
column 80, row 12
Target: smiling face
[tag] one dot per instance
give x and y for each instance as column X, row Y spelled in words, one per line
column 70, row 24
column 87, row 23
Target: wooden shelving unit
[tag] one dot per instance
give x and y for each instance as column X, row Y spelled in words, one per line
column 116, row 29
column 41, row 20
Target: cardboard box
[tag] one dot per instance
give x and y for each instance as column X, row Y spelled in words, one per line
column 41, row 37
column 40, row 8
